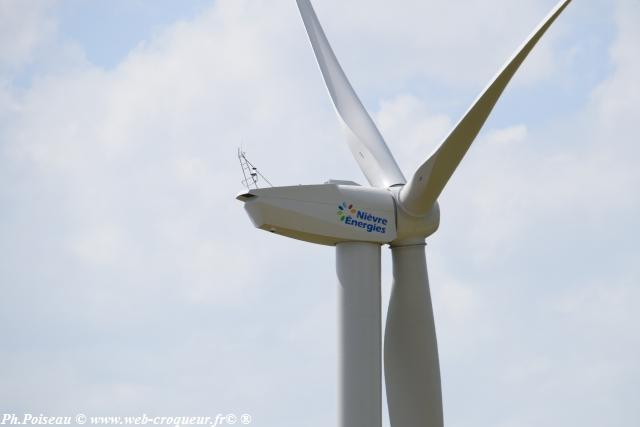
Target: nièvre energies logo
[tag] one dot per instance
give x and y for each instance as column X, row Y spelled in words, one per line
column 348, row 214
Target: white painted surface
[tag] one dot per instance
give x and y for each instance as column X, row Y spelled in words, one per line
column 321, row 214
column 364, row 138
column 426, row 184
column 360, row 345
column 412, row 372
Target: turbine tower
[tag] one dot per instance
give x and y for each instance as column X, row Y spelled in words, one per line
column 358, row 220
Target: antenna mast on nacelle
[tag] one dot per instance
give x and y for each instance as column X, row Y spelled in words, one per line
column 250, row 172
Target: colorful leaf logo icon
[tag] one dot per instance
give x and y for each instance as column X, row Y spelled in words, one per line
column 345, row 211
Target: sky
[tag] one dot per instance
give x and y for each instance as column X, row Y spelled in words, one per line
column 133, row 282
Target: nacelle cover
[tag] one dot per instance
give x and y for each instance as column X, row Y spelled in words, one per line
column 326, row 214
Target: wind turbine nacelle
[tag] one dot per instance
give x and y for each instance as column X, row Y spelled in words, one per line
column 326, row 214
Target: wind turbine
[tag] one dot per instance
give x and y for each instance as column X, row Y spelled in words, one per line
column 357, row 220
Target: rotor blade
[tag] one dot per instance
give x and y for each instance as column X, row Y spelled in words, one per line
column 430, row 179
column 364, row 138
column 411, row 367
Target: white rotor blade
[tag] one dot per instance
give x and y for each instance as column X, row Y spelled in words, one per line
column 411, row 367
column 365, row 141
column 429, row 180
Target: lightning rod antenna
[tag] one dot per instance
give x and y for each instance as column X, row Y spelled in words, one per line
column 251, row 174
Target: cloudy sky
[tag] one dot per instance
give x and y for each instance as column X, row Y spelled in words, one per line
column 133, row 282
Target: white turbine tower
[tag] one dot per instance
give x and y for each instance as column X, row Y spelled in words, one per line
column 357, row 221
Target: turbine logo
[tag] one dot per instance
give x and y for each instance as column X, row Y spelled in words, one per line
column 348, row 214
column 345, row 211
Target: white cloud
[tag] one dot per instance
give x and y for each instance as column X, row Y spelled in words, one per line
column 411, row 130
column 125, row 181
column 507, row 136
column 131, row 273
column 25, row 25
